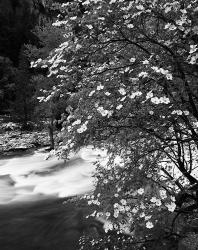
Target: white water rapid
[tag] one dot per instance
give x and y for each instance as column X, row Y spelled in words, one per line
column 31, row 177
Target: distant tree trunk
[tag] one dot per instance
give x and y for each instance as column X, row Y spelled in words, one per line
column 51, row 132
column 25, row 117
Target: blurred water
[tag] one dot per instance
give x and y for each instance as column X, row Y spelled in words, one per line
column 31, row 177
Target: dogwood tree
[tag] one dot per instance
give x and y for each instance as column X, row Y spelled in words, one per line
column 132, row 66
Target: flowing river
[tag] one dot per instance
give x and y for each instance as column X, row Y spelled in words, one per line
column 31, row 177
column 33, row 215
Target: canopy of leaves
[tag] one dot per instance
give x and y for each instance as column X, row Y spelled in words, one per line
column 130, row 69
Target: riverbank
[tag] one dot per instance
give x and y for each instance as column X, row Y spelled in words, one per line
column 20, row 142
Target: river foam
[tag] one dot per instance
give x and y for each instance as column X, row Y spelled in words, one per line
column 31, row 177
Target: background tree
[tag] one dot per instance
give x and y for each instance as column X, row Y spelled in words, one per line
column 18, row 19
column 50, row 110
column 23, row 104
column 7, row 73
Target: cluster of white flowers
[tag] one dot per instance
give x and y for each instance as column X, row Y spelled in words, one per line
column 59, row 23
column 127, row 8
column 100, row 87
column 180, row 112
column 134, row 94
column 130, row 25
column 142, row 214
column 125, row 228
column 140, row 7
column 123, row 201
column 104, row 112
column 112, row 1
column 108, row 226
column 149, row 224
column 164, row 72
column 91, row 200
column 77, row 122
column 163, row 194
column 195, row 29
column 195, row 125
column 151, row 112
column 119, row 106
column 193, row 48
column 180, row 22
column 69, row 129
column 193, row 59
column 107, row 93
column 122, row 208
column 89, row 26
column 147, row 217
column 143, row 74
column 125, row 16
column 78, row 46
column 156, row 201
column 82, row 129
column 118, row 160
column 140, row 191
column 149, row 95
column 170, row 26
column 87, row 2
column 158, row 100
column 122, row 91
column 145, row 62
column 132, row 59
column 127, row 69
column 134, row 210
column 171, row 207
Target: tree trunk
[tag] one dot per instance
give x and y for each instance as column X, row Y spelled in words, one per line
column 25, row 113
column 51, row 132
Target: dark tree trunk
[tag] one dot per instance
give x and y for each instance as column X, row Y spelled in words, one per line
column 51, row 132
